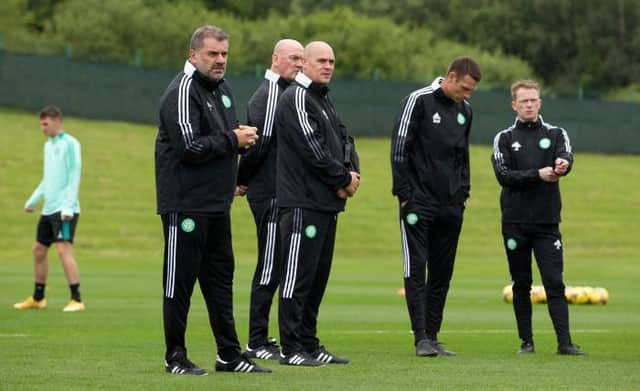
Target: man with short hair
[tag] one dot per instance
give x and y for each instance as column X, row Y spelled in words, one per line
column 196, row 150
column 257, row 178
column 529, row 158
column 60, row 213
column 430, row 167
column 318, row 170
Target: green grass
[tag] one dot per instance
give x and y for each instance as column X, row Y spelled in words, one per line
column 118, row 342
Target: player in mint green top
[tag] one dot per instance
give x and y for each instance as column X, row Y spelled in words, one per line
column 60, row 211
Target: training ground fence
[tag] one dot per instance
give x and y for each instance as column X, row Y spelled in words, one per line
column 131, row 93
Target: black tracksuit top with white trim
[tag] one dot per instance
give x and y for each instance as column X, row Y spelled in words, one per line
column 430, row 149
column 312, row 147
column 196, row 148
column 518, row 153
column 257, row 168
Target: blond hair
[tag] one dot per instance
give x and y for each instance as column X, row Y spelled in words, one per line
column 529, row 84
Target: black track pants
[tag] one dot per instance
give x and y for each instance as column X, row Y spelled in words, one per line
column 268, row 269
column 546, row 243
column 198, row 247
column 429, row 244
column 307, row 243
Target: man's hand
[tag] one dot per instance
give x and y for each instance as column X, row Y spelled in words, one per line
column 548, row 175
column 342, row 193
column 353, row 186
column 561, row 166
column 241, row 190
column 29, row 210
column 246, row 136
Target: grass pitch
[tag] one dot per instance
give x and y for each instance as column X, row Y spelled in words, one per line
column 118, row 342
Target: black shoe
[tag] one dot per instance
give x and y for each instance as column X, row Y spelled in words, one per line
column 323, row 355
column 268, row 351
column 300, row 359
column 240, row 364
column 178, row 364
column 571, row 350
column 526, row 347
column 440, row 350
column 425, row 349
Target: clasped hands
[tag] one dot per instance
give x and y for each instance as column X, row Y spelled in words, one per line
column 552, row 174
column 351, row 189
column 247, row 136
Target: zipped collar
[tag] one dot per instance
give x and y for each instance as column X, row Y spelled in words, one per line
column 438, row 92
column 275, row 78
column 190, row 70
column 271, row 75
column 528, row 124
column 304, row 81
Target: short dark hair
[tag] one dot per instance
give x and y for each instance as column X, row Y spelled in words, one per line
column 51, row 112
column 207, row 31
column 462, row 66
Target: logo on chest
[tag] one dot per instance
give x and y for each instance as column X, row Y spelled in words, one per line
column 436, row 118
column 544, row 143
column 461, row 119
column 516, row 146
column 226, row 101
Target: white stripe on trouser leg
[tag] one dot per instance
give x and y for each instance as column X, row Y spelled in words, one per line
column 174, row 254
column 405, row 250
column 171, row 255
column 292, row 266
column 269, row 251
column 268, row 254
column 292, row 261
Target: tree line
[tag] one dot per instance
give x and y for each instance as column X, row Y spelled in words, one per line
column 590, row 44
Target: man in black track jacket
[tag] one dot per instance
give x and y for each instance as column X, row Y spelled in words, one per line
column 317, row 171
column 257, row 177
column 529, row 158
column 196, row 150
column 430, row 167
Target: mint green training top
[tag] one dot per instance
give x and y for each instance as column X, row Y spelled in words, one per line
column 61, row 180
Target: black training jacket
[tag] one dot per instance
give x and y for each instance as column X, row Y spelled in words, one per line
column 257, row 168
column 196, row 148
column 315, row 151
column 430, row 150
column 518, row 153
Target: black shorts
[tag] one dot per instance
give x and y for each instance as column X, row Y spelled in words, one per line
column 51, row 229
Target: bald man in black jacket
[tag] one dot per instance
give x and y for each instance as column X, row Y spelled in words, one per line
column 257, row 178
column 317, row 171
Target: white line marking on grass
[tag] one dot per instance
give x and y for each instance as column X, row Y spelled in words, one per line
column 13, row 335
column 470, row 331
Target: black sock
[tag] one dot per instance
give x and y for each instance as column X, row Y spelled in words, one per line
column 75, row 291
column 38, row 292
